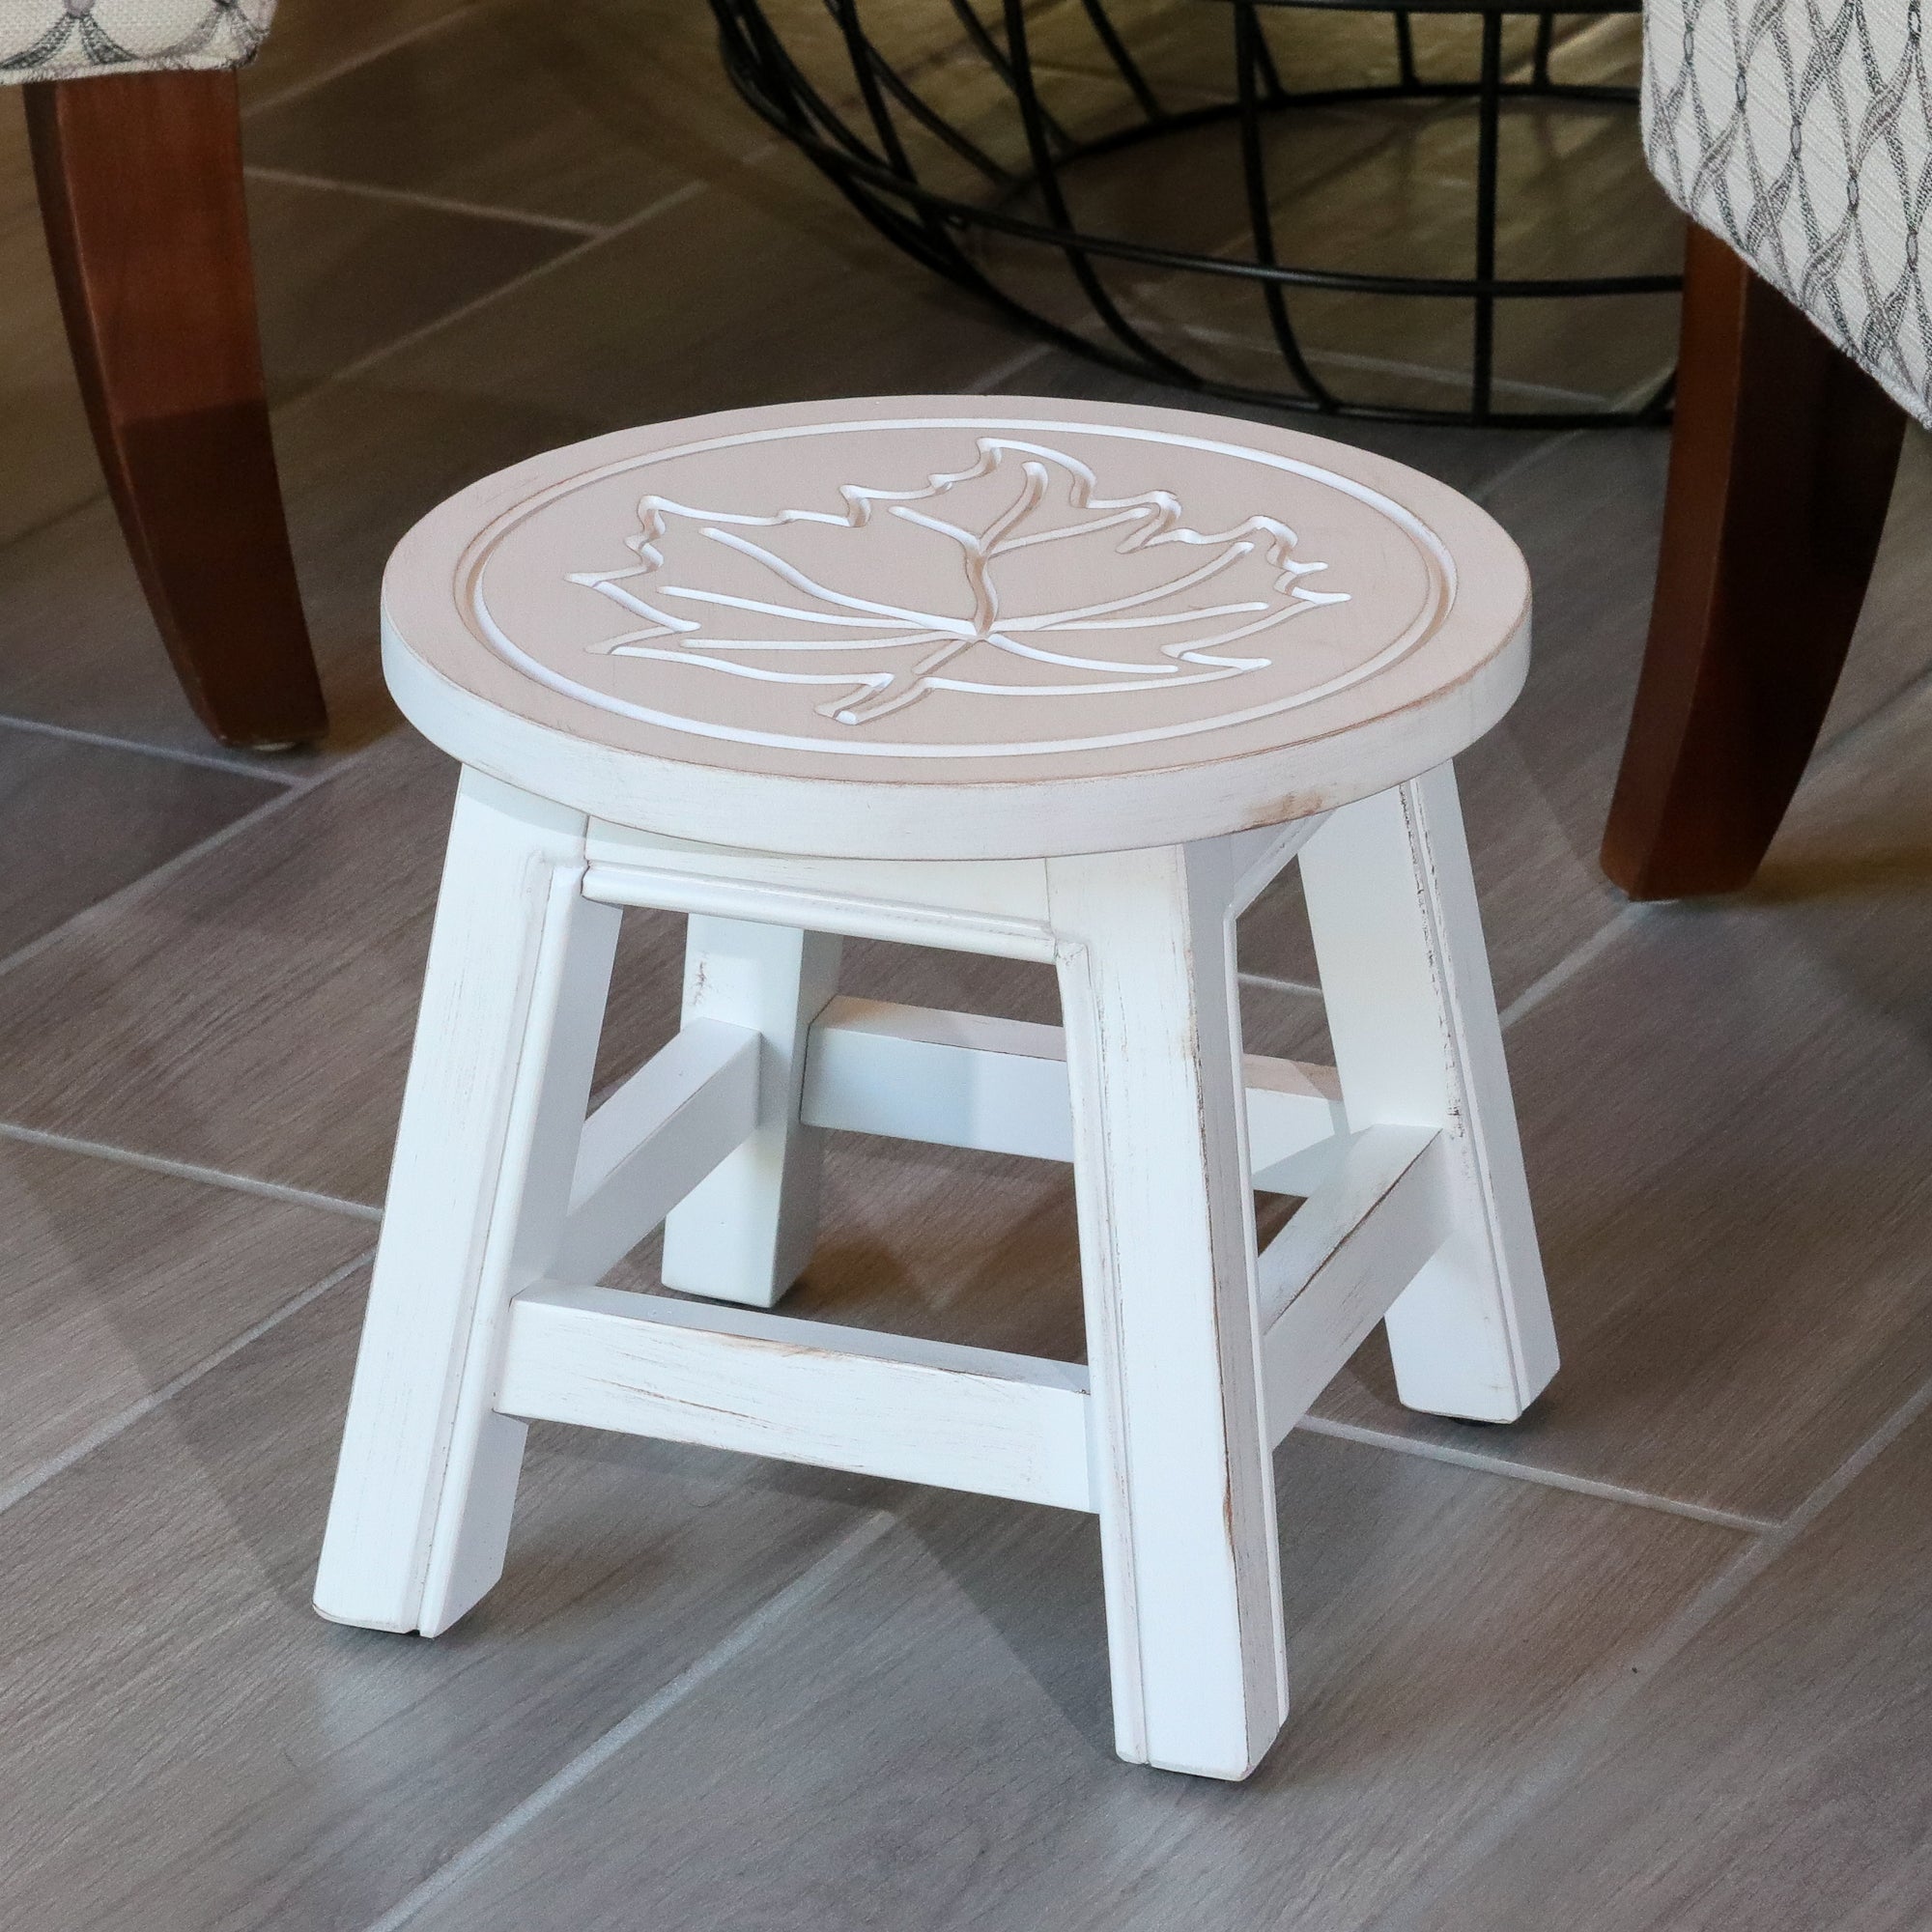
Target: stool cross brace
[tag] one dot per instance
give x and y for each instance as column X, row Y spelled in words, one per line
column 508, row 1206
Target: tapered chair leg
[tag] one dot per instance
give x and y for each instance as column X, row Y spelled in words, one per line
column 1183, row 1471
column 140, row 184
column 1781, row 468
column 493, row 1117
column 745, row 1231
column 1412, row 1014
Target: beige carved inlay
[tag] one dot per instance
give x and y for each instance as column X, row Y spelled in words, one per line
column 964, row 619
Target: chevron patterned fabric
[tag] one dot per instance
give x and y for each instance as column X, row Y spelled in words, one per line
column 58, row 40
column 1800, row 132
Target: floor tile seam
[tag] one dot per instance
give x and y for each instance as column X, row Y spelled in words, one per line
column 278, row 1191
column 1539, row 1476
column 742, row 1637
column 122, row 895
column 439, row 204
column 1855, row 735
column 1675, row 1635
column 410, row 338
column 1426, row 372
column 1551, row 441
column 1580, row 957
column 178, row 861
column 326, row 77
column 175, row 755
column 120, row 1423
column 1278, row 985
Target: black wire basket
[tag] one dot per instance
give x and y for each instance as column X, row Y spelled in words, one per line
column 1144, row 183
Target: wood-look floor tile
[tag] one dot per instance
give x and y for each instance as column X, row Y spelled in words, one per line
column 114, row 1281
column 83, row 820
column 1729, row 1139
column 764, row 292
column 311, row 42
column 1893, row 646
column 197, row 1750
column 1774, row 1773
column 589, row 113
column 341, row 274
column 929, row 1744
column 337, row 276
column 253, row 1012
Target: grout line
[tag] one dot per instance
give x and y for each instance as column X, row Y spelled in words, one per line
column 1549, row 1479
column 1572, row 963
column 350, row 371
column 180, row 863
column 627, row 1730
column 1676, row 1635
column 1006, row 370
column 189, row 1170
column 409, row 197
column 1561, row 438
column 206, row 760
column 96, row 1438
column 1459, row 379
column 1278, row 985
column 423, row 30
column 1855, row 733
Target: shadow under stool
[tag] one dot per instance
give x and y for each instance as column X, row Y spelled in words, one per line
column 1055, row 681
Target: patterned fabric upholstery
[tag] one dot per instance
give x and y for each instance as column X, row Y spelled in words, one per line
column 1800, row 132
column 56, row 40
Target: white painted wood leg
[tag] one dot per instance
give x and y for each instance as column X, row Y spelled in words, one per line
column 746, row 1232
column 1412, row 1014
column 1183, row 1478
column 513, row 1002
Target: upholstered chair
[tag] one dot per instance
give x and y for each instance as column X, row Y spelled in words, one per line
column 1797, row 135
column 133, row 114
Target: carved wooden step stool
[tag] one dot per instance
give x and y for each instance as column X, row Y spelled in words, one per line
column 1056, row 681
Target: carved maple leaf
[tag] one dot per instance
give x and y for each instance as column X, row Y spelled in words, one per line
column 1173, row 624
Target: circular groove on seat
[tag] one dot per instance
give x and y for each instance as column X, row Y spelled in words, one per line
column 955, row 626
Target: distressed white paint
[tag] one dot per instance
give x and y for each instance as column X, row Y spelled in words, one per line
column 1201, row 1352
column 1329, row 1276
column 492, row 1112
column 502, row 639
column 655, row 1139
column 1413, row 1015
column 969, row 1080
column 807, row 1391
column 745, row 1233
column 1185, row 1481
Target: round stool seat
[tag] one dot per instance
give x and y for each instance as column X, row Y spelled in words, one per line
column 955, row 626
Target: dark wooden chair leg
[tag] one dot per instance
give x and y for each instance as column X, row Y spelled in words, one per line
column 140, row 183
column 1782, row 467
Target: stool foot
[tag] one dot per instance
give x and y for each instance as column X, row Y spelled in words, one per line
column 519, row 967
column 745, row 1231
column 1411, row 1011
column 1186, row 1489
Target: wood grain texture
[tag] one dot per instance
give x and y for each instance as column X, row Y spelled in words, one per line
column 1781, row 469
column 181, row 1693
column 1793, row 1731
column 601, row 339
column 84, row 820
column 140, row 181
column 746, row 1232
column 114, row 1281
column 1182, row 1477
column 267, row 991
column 1725, row 1123
column 1399, row 940
column 930, row 1747
column 492, row 1112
